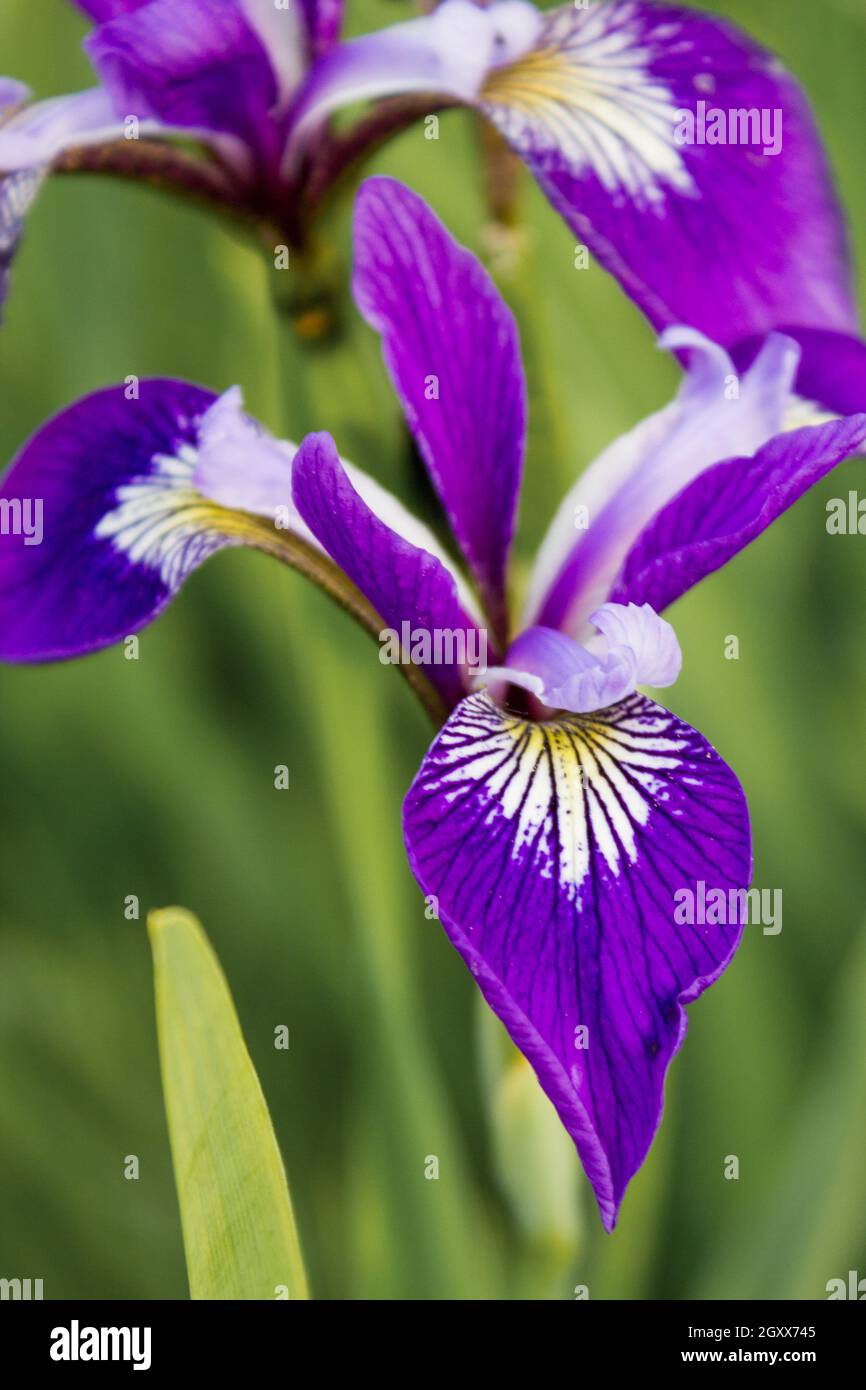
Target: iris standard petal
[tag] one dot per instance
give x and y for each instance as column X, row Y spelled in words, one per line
column 193, row 65
column 716, row 415
column 451, row 346
column 102, row 521
column 404, row 582
column 619, row 110
column 727, row 507
column 555, row 852
column 634, row 647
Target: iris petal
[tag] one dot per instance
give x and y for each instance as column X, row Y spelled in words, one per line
column 405, row 582
column 609, row 110
column 193, row 66
column 452, row 349
column 102, row 521
column 639, row 648
column 727, row 507
column 555, row 852
column 716, row 415
column 447, row 53
column 832, row 371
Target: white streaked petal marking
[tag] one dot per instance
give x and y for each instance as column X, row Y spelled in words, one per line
column 586, row 96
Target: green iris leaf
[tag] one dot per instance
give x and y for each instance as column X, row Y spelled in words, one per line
column 238, row 1228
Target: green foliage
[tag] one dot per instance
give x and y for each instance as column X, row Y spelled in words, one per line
column 238, row 1226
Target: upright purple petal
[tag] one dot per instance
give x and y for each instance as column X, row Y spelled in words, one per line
column 451, row 346
column 405, row 583
column 611, row 111
column 727, row 507
column 193, row 65
column 563, row 856
column 103, row 521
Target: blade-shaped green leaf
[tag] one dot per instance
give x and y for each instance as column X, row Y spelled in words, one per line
column 238, row 1229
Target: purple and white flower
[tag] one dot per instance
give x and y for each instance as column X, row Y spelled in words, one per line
column 559, row 810
column 730, row 238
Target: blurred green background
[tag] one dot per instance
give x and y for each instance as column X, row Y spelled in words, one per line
column 155, row 778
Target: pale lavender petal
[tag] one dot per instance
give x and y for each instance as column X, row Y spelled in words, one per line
column 37, row 134
column 652, row 641
column 717, row 414
column 560, row 855
column 635, row 647
column 451, row 346
column 404, row 583
column 192, row 65
column 239, row 464
column 447, row 53
column 732, row 238
column 12, row 93
column 726, row 508
column 832, row 370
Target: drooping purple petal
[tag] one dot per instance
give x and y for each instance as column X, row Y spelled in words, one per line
column 636, row 647
column 407, row 583
column 192, row 65
column 611, row 111
column 727, row 507
column 716, row 415
column 102, row 521
column 451, row 346
column 563, row 857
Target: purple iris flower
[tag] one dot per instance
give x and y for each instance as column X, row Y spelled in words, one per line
column 678, row 151
column 559, row 811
